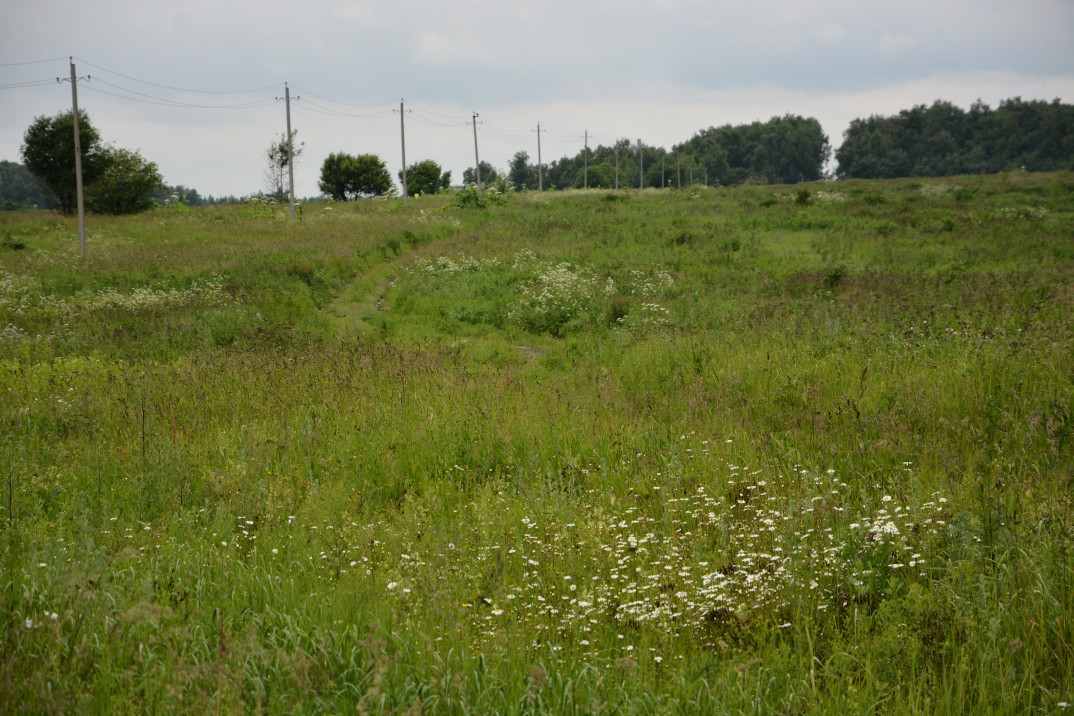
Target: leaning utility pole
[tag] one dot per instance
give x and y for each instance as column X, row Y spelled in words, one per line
column 290, row 152
column 402, row 137
column 585, row 162
column 78, row 160
column 540, row 176
column 477, row 159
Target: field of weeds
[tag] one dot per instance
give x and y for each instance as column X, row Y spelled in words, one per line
column 744, row 450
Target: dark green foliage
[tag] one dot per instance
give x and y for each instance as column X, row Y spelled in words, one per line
column 469, row 198
column 783, row 150
column 488, row 175
column 345, row 177
column 522, row 174
column 425, row 177
column 48, row 151
column 18, row 188
column 127, row 185
column 944, row 140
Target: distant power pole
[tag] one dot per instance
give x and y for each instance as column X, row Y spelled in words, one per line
column 477, row 160
column 663, row 183
column 402, row 138
column 641, row 165
column 678, row 168
column 540, row 176
column 617, row 166
column 585, row 162
column 78, row 159
column 290, row 152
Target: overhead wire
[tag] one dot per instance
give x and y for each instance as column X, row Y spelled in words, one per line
column 308, row 93
column 29, row 83
column 148, row 99
column 308, row 104
column 32, row 62
column 177, row 89
column 416, row 108
column 431, row 123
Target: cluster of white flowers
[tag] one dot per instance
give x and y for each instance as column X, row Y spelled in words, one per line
column 424, row 218
column 937, row 189
column 19, row 297
column 11, row 334
column 648, row 314
column 657, row 283
column 558, row 295
column 1026, row 213
column 830, row 197
column 444, row 265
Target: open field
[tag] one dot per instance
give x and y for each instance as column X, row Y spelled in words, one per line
column 742, row 450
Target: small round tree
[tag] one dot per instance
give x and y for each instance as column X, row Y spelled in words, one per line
column 48, row 151
column 126, row 186
column 345, row 177
column 425, row 177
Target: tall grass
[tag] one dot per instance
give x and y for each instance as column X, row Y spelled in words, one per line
column 745, row 449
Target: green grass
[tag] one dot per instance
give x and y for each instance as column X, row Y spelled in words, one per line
column 749, row 449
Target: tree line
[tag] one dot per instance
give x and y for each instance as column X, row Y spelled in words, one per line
column 943, row 140
column 936, row 140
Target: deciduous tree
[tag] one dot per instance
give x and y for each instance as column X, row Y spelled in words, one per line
column 345, row 177
column 276, row 171
column 126, row 186
column 48, row 150
column 426, row 177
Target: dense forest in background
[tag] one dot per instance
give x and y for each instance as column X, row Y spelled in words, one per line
column 783, row 150
column 19, row 189
column 943, row 140
column 937, row 140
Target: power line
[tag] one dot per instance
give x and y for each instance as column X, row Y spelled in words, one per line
column 33, row 62
column 434, row 123
column 172, row 103
column 177, row 103
column 177, row 89
column 336, row 113
column 29, row 83
column 345, row 104
column 459, row 117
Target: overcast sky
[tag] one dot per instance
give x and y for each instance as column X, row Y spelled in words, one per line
column 656, row 70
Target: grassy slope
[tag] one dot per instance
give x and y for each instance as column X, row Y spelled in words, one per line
column 796, row 455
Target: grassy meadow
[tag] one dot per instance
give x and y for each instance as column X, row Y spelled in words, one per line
column 736, row 450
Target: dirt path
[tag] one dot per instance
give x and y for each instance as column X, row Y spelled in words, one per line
column 360, row 299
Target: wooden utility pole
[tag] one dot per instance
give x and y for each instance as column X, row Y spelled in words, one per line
column 477, row 159
column 585, row 162
column 617, row 166
column 78, row 162
column 290, row 152
column 663, row 182
column 540, row 176
column 641, row 165
column 678, row 169
column 402, row 138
